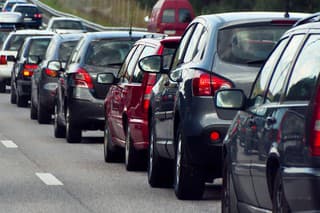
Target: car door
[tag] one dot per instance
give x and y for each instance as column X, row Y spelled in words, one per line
column 262, row 122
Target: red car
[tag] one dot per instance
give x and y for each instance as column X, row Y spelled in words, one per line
column 127, row 102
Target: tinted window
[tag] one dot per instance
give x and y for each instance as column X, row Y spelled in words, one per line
column 15, row 42
column 65, row 50
column 279, row 76
column 306, row 71
column 184, row 16
column 198, row 39
column 248, row 45
column 28, row 10
column 264, row 75
column 168, row 16
column 138, row 74
column 65, row 24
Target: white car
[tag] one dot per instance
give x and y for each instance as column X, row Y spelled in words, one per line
column 66, row 25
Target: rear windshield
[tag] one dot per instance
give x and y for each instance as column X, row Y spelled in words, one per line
column 66, row 49
column 107, row 52
column 38, row 47
column 25, row 9
column 168, row 16
column 15, row 42
column 3, row 36
column 248, row 45
column 65, row 24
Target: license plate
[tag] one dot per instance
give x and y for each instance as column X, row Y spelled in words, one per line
column 27, row 19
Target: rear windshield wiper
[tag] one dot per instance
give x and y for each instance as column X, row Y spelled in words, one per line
column 261, row 61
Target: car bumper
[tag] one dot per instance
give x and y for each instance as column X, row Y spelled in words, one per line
column 5, row 72
column 24, row 88
column 47, row 95
column 301, row 187
column 139, row 133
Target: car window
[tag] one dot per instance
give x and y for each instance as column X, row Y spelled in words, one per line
column 38, row 47
column 168, row 16
column 138, row 74
column 257, row 94
column 282, row 69
column 195, row 47
column 67, row 24
column 66, row 49
column 305, row 72
column 181, row 49
column 184, row 16
column 248, row 45
column 15, row 42
column 75, row 56
column 27, row 10
column 132, row 63
column 126, row 62
column 3, row 37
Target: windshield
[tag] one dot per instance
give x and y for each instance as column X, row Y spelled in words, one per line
column 248, row 45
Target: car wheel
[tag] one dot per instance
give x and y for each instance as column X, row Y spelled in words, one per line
column 59, row 130
column 188, row 182
column 73, row 134
column 229, row 199
column 160, row 171
column 44, row 117
column 131, row 155
column 2, row 87
column 13, row 95
column 279, row 201
column 21, row 101
column 111, row 153
column 33, row 110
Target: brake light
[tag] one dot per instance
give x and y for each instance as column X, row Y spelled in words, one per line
column 28, row 69
column 51, row 73
column 38, row 15
column 214, row 136
column 283, row 22
column 150, row 83
column 82, row 79
column 315, row 127
column 3, row 59
column 205, row 84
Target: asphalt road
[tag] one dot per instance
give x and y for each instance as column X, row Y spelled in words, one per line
column 40, row 173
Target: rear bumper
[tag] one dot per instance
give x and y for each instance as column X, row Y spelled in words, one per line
column 301, row 187
column 5, row 72
column 24, row 88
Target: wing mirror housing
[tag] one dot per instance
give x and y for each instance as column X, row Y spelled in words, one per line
column 55, row 66
column 106, row 78
column 153, row 64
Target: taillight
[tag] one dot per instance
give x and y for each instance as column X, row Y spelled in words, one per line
column 315, row 127
column 51, row 73
column 38, row 15
column 82, row 79
column 3, row 59
column 205, row 84
column 150, row 83
column 28, row 69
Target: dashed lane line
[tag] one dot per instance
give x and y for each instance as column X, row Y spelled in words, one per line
column 9, row 144
column 49, row 179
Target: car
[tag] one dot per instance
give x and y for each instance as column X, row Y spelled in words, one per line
column 271, row 151
column 32, row 17
column 170, row 17
column 9, row 50
column 216, row 51
column 127, row 102
column 28, row 58
column 9, row 21
column 10, row 3
column 44, row 80
column 79, row 98
column 66, row 25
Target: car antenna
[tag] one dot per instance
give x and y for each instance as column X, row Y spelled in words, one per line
column 286, row 15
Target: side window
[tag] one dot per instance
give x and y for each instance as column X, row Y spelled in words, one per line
column 261, row 82
column 75, row 53
column 192, row 49
column 138, row 74
column 282, row 69
column 184, row 16
column 132, row 64
column 306, row 71
column 126, row 62
column 181, row 49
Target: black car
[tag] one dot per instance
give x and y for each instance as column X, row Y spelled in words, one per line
column 80, row 98
column 44, row 81
column 272, row 148
column 216, row 51
column 32, row 17
column 29, row 56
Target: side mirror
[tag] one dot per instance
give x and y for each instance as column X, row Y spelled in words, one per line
column 105, row 78
column 55, row 66
column 228, row 102
column 152, row 64
column 34, row 59
column 11, row 58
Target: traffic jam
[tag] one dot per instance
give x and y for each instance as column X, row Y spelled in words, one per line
column 224, row 104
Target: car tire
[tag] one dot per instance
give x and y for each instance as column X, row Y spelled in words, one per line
column 21, row 101
column 229, row 199
column 159, row 170
column 111, row 152
column 131, row 154
column 44, row 117
column 59, row 130
column 73, row 133
column 188, row 182
column 33, row 110
column 279, row 201
column 13, row 95
column 2, row 87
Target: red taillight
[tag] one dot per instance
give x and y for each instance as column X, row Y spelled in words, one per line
column 28, row 69
column 146, row 98
column 284, row 22
column 51, row 73
column 3, row 59
column 82, row 79
column 214, row 136
column 38, row 15
column 205, row 84
column 315, row 127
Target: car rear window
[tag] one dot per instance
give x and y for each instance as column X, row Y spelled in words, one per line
column 107, row 52
column 65, row 50
column 65, row 24
column 168, row 16
column 15, row 42
column 248, row 45
column 3, row 37
column 39, row 47
column 26, row 9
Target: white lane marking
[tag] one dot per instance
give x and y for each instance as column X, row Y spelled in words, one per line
column 49, row 179
column 9, row 144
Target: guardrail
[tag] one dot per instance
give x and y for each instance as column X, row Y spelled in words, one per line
column 91, row 25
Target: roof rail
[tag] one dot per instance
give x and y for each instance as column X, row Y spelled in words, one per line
column 312, row 18
column 154, row 35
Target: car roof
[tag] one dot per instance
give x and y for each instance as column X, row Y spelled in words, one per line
column 30, row 31
column 116, row 34
column 159, row 40
column 68, row 36
column 24, row 5
column 64, row 18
